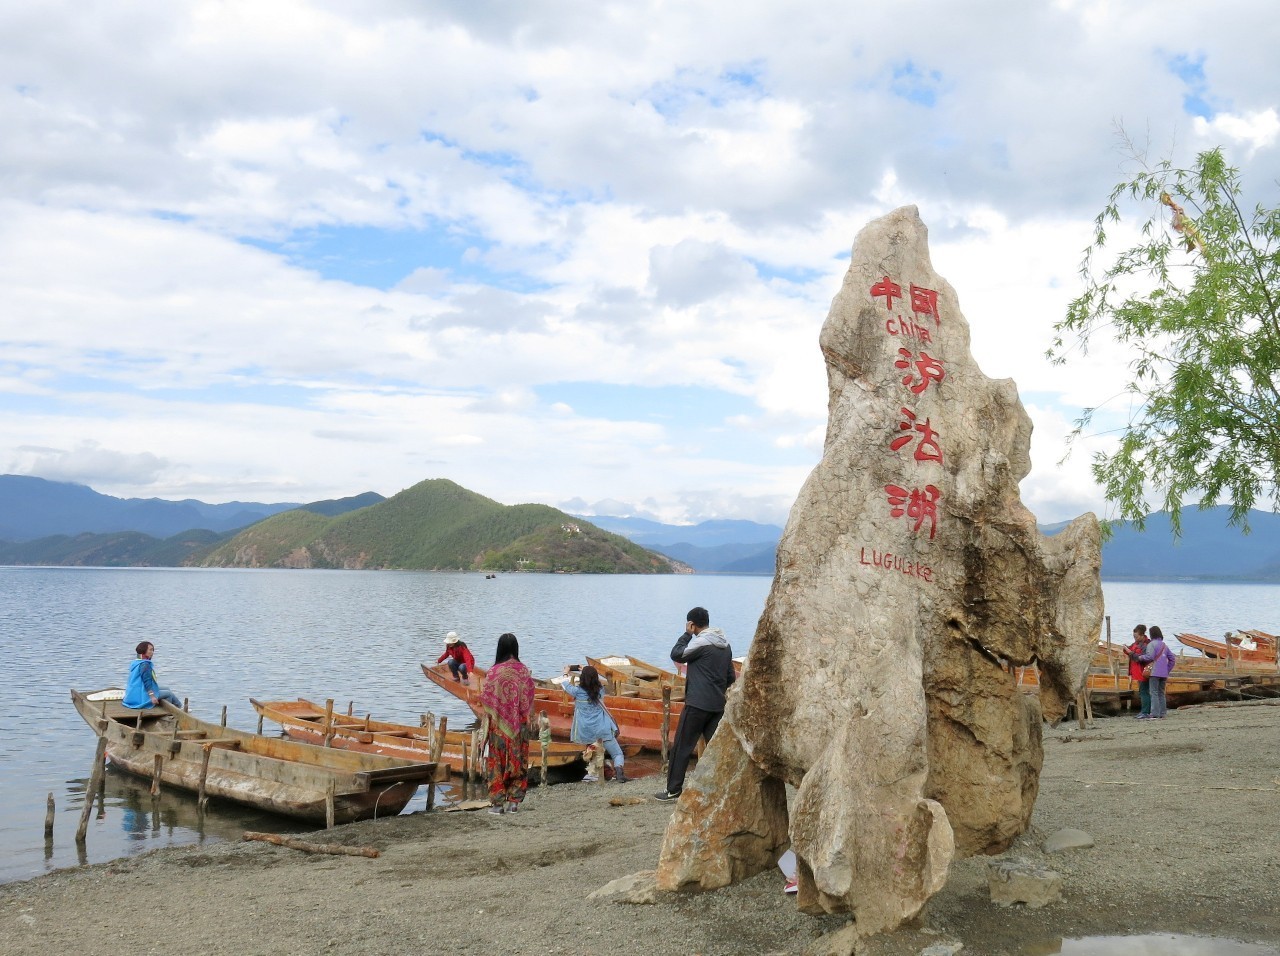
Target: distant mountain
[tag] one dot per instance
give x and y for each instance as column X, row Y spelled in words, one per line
column 340, row 506
column 434, row 525
column 722, row 545
column 33, row 508
column 114, row 549
column 1209, row 548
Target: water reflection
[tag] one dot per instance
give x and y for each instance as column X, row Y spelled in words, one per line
column 1151, row 945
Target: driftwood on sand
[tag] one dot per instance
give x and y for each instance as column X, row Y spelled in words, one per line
column 333, row 849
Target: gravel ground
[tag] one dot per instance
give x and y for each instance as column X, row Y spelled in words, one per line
column 1184, row 813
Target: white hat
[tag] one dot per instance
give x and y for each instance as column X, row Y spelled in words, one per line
column 451, row 637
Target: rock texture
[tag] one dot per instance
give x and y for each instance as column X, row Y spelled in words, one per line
column 1017, row 881
column 910, row 580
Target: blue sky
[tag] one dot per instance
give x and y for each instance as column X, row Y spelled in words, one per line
column 556, row 252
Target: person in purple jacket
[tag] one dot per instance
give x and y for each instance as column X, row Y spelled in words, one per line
column 1161, row 659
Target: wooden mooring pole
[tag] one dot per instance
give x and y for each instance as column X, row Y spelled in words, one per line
column 437, row 747
column 544, row 742
column 666, row 725
column 95, row 775
column 48, row 814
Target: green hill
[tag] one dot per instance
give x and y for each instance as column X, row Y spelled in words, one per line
column 115, row 549
column 436, row 525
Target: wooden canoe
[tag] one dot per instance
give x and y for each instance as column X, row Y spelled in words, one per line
column 639, row 720
column 269, row 773
column 305, row 720
column 627, row 676
column 1255, row 646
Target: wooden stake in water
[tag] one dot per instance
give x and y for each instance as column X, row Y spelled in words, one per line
column 48, row 814
column 437, row 748
column 155, row 775
column 95, row 775
column 224, row 715
column 202, row 800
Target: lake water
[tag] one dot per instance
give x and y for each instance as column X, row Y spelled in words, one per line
column 223, row 636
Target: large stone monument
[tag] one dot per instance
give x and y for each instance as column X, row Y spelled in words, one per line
column 910, row 582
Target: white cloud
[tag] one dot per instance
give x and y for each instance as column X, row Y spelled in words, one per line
column 575, row 208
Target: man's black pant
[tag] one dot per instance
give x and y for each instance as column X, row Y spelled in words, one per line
column 694, row 723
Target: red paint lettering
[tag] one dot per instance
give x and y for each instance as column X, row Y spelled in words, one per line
column 889, row 289
column 925, row 302
column 926, row 366
column 919, row 504
column 927, row 448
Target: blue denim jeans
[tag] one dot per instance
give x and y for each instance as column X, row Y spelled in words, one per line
column 1158, row 705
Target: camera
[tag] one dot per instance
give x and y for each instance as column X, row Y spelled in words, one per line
column 575, row 667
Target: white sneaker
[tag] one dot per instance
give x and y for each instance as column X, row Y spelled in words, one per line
column 496, row 809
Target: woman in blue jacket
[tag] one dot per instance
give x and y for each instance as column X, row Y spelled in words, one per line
column 142, row 690
column 591, row 721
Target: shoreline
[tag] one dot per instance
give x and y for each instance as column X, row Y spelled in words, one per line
column 1182, row 813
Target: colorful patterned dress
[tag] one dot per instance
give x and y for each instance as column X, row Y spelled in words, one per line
column 507, row 698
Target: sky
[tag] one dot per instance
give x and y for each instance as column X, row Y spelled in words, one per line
column 561, row 252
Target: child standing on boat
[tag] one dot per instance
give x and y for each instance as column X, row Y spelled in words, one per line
column 461, row 662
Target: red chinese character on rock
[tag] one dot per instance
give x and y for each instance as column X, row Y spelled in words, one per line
column 889, row 289
column 928, row 368
column 922, row 505
column 927, row 449
column 925, row 302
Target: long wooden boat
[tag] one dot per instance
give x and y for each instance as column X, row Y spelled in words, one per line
column 1257, row 646
column 270, row 773
column 639, row 720
column 308, row 721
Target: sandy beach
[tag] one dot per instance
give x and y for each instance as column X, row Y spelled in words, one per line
column 1183, row 812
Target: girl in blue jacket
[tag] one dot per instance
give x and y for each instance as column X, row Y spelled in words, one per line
column 591, row 721
column 142, row 690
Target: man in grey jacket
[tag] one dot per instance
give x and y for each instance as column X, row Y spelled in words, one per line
column 709, row 658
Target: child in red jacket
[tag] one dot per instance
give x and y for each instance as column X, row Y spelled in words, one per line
column 461, row 663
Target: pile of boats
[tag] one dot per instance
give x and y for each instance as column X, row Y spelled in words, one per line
column 1243, row 665
column 332, row 767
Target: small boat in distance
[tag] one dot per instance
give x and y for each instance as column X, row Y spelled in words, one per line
column 268, row 773
column 305, row 720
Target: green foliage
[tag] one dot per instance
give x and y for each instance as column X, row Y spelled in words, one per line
column 1196, row 300
column 274, row 542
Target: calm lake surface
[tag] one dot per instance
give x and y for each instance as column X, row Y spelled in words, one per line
column 223, row 636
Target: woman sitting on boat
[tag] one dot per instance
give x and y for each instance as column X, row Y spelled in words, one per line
column 142, row 691
column 591, row 720
column 461, row 663
column 507, row 699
